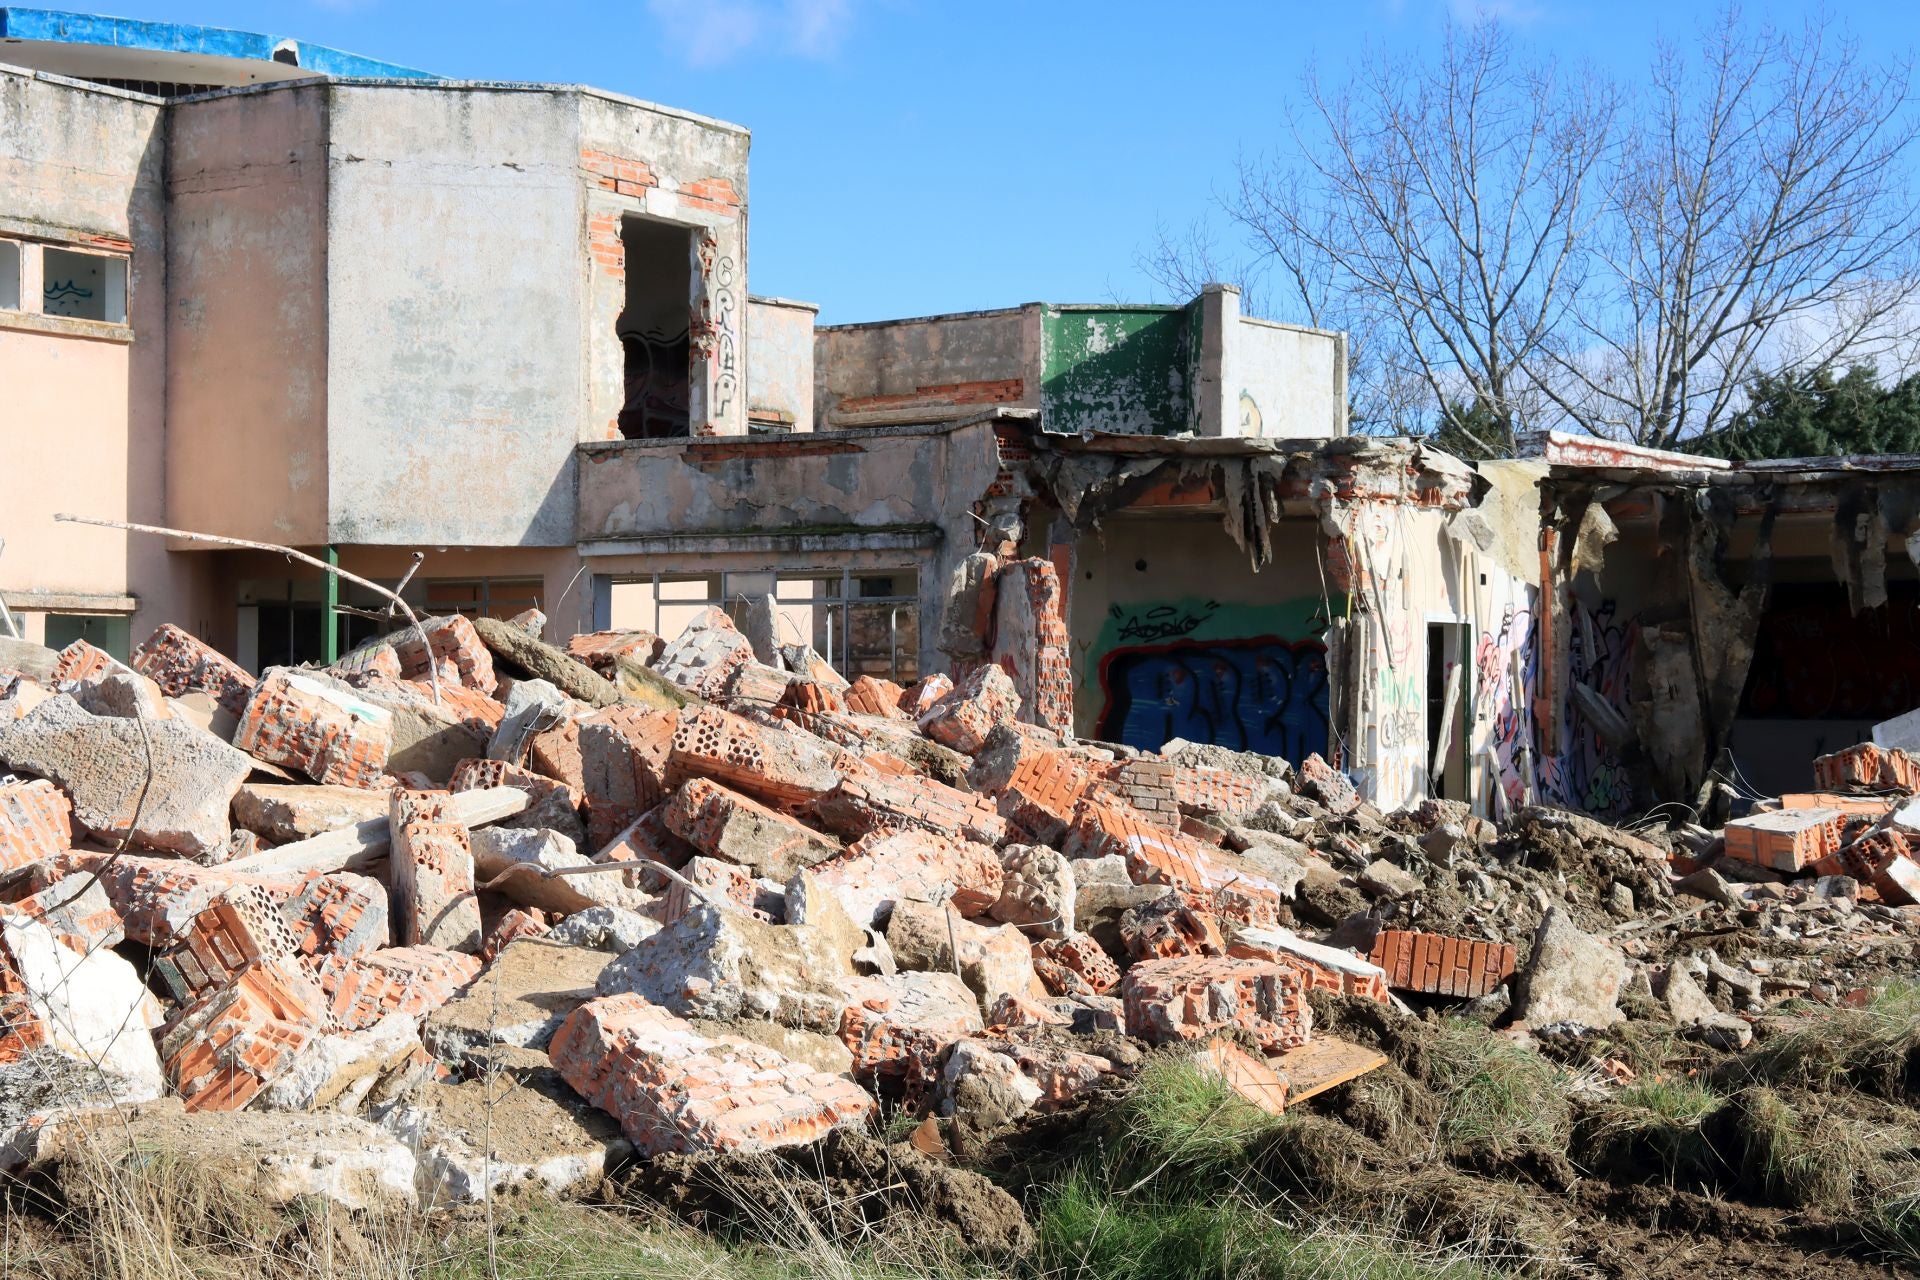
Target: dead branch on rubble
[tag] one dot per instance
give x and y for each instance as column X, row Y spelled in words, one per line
column 433, row 671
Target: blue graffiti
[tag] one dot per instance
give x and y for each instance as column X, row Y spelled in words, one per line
column 1257, row 695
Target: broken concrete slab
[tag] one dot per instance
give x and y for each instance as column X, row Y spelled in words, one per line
column 282, row 812
column 516, row 1128
column 520, row 999
column 318, row 725
column 90, row 1007
column 738, row 829
column 432, row 873
column 1037, row 891
column 724, row 964
column 155, row 784
column 34, row 661
column 497, row 851
column 521, row 655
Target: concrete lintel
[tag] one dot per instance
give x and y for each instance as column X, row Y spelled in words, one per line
column 68, row 602
column 894, row 538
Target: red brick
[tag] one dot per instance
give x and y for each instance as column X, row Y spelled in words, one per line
column 896, row 1028
column 786, row 768
column 1036, row 788
column 1175, row 925
column 411, row 981
column 1436, row 964
column 35, row 822
column 886, row 866
column 338, row 914
column 81, row 661
column 736, row 829
column 1320, row 967
column 1191, row 997
column 75, row 907
column 451, row 647
column 518, row 922
column 873, row 801
column 602, row 649
column 432, row 873
column 1786, row 839
column 240, row 1037
column 872, row 696
column 324, row 732
column 1079, row 954
column 240, row 928
column 675, row 1090
column 180, row 662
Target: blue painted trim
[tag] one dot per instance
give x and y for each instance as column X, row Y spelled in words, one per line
column 57, row 27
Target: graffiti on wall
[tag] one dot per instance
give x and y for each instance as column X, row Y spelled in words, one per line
column 1585, row 773
column 1494, row 703
column 1154, row 623
column 1266, row 694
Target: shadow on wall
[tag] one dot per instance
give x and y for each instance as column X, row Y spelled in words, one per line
column 1265, row 694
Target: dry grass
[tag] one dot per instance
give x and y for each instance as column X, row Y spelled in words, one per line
column 1496, row 1097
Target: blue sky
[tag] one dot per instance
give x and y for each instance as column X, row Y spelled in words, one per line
column 914, row 156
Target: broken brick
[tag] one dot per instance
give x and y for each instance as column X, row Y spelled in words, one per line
column 411, row 981
column 1785, row 839
column 703, row 657
column 1037, row 789
column 872, row 801
column 81, row 661
column 1171, row 925
column 896, row 1027
column 881, row 868
column 180, row 662
column 338, row 914
column 602, row 649
column 1079, row 954
column 1189, row 997
column 1321, row 967
column 242, row 1036
column 623, row 766
column 872, row 696
column 734, row 828
column 451, row 648
column 35, row 822
column 968, row 713
column 432, row 877
column 318, row 728
column 784, row 768
column 675, row 1090
column 240, row 928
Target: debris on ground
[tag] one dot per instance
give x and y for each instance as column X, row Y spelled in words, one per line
column 471, row 912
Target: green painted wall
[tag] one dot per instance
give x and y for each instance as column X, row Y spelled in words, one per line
column 1116, row 369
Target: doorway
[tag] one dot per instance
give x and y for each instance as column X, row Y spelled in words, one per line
column 1448, row 644
column 655, row 328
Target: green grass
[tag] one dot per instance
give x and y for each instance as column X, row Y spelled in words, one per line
column 1676, row 1100
column 1895, row 1222
column 1496, row 1096
column 1088, row 1233
column 1868, row 1049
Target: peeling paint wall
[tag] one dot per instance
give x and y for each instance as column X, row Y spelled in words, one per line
column 1120, row 370
column 454, row 388
column 926, row 368
column 247, row 320
column 780, row 377
column 82, row 413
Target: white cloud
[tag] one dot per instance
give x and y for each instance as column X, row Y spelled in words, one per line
column 707, row 33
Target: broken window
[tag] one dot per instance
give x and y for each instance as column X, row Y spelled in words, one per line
column 654, row 328
column 865, row 622
column 83, row 286
column 478, row 597
column 9, row 275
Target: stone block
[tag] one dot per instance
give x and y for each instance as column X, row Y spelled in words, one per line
column 702, row 658
column 736, row 829
column 88, row 1007
column 675, row 1090
column 992, row 962
column 180, row 662
column 1190, row 997
column 497, row 851
column 316, row 726
column 520, row 999
column 725, row 964
column 1571, row 977
column 1332, row 788
column 280, row 812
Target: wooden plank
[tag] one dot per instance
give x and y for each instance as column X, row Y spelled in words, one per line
column 1323, row 1063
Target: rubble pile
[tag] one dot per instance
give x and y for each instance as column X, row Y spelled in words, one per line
column 705, row 896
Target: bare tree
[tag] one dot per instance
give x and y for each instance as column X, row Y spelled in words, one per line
column 1758, row 218
column 1437, row 211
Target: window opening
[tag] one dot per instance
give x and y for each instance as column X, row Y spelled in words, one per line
column 654, row 329
column 84, row 286
column 9, row 275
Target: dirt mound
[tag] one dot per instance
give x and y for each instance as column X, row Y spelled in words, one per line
column 848, row 1186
